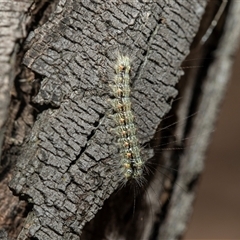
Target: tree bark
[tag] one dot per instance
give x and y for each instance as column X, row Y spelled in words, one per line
column 66, row 169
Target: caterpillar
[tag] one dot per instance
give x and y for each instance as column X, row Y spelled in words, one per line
column 131, row 162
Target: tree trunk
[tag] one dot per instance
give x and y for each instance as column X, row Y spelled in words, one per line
column 59, row 128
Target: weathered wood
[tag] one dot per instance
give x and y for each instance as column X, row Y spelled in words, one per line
column 67, row 167
column 14, row 20
column 213, row 91
column 13, row 28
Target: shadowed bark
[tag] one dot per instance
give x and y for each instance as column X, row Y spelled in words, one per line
column 58, row 126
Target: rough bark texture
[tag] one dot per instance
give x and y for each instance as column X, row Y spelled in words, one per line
column 14, row 20
column 67, row 167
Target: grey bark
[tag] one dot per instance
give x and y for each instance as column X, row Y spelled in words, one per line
column 13, row 28
column 67, row 167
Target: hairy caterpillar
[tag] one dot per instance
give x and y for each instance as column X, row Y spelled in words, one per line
column 131, row 162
